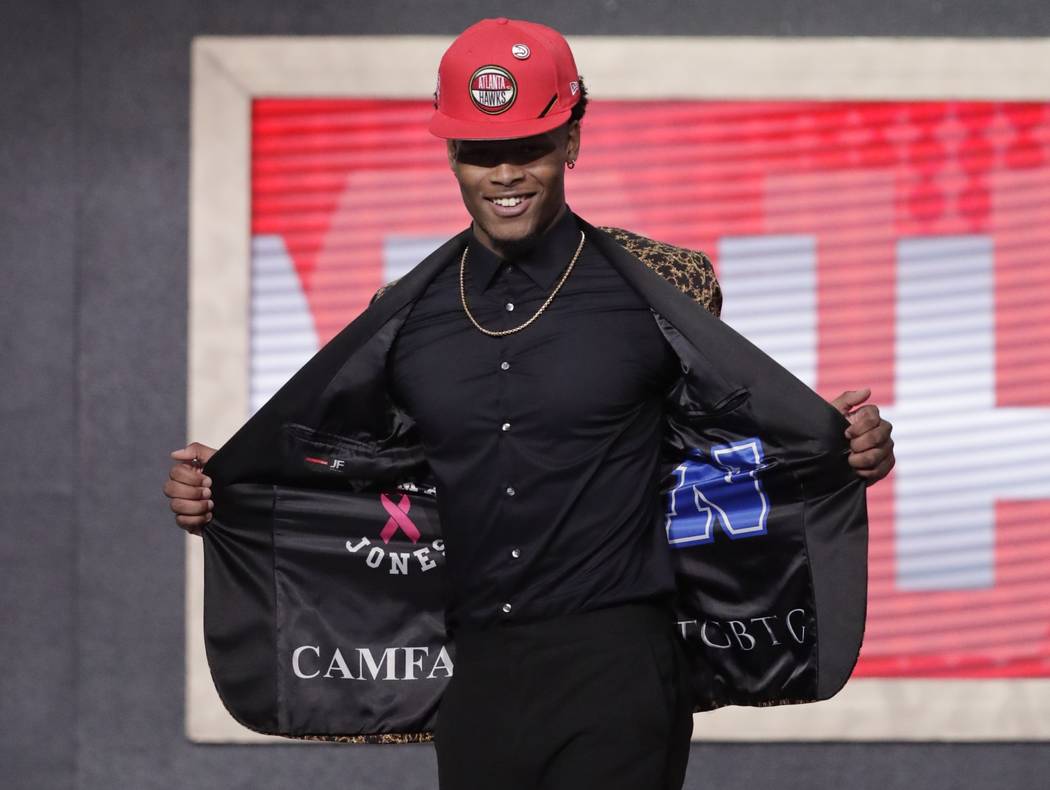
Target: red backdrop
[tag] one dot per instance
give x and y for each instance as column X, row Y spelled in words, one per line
column 337, row 179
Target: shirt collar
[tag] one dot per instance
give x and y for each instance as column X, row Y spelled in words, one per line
column 543, row 264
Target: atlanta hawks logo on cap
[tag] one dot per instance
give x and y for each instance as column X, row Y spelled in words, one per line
column 493, row 89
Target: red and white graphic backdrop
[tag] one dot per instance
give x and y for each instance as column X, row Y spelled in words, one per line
column 877, row 211
column 896, row 245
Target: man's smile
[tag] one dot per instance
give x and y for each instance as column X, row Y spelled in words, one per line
column 511, row 205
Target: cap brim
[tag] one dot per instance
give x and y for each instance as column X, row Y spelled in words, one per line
column 449, row 128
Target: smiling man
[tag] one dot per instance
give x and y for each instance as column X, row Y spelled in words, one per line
column 543, row 389
column 514, row 189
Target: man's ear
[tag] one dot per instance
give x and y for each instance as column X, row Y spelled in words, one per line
column 572, row 144
column 452, row 147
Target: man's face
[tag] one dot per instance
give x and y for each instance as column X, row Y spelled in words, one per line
column 514, row 189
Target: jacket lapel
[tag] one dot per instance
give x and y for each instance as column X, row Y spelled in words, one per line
column 251, row 452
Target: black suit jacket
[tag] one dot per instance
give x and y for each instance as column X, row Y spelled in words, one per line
column 324, row 557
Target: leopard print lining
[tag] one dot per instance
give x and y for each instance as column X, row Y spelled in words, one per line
column 689, row 271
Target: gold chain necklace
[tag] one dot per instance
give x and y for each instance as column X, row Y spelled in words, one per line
column 502, row 332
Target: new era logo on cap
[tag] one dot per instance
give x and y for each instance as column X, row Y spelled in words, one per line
column 504, row 79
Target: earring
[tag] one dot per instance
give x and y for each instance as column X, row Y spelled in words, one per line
column 571, row 164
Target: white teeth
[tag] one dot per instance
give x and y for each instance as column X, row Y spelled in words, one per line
column 507, row 202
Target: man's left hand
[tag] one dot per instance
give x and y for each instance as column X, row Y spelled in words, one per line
column 870, row 443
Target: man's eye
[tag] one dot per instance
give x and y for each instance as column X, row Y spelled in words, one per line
column 493, row 156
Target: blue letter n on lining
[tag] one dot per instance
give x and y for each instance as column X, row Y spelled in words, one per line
column 725, row 488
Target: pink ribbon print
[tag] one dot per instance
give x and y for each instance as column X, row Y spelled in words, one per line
column 398, row 519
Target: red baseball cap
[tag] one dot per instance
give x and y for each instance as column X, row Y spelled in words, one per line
column 502, row 79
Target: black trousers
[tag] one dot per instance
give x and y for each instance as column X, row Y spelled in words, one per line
column 591, row 700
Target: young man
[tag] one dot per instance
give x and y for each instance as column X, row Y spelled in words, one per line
column 539, row 384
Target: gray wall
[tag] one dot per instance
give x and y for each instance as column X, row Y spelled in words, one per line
column 93, row 193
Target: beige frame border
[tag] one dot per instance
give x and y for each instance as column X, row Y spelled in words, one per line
column 228, row 72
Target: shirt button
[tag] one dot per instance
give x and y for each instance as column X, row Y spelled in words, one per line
column 511, row 491
column 515, row 553
column 504, row 366
column 505, row 426
column 510, row 307
column 506, row 608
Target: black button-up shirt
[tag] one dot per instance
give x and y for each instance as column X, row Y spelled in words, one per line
column 545, row 443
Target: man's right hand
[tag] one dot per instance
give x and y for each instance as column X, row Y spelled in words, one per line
column 188, row 489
